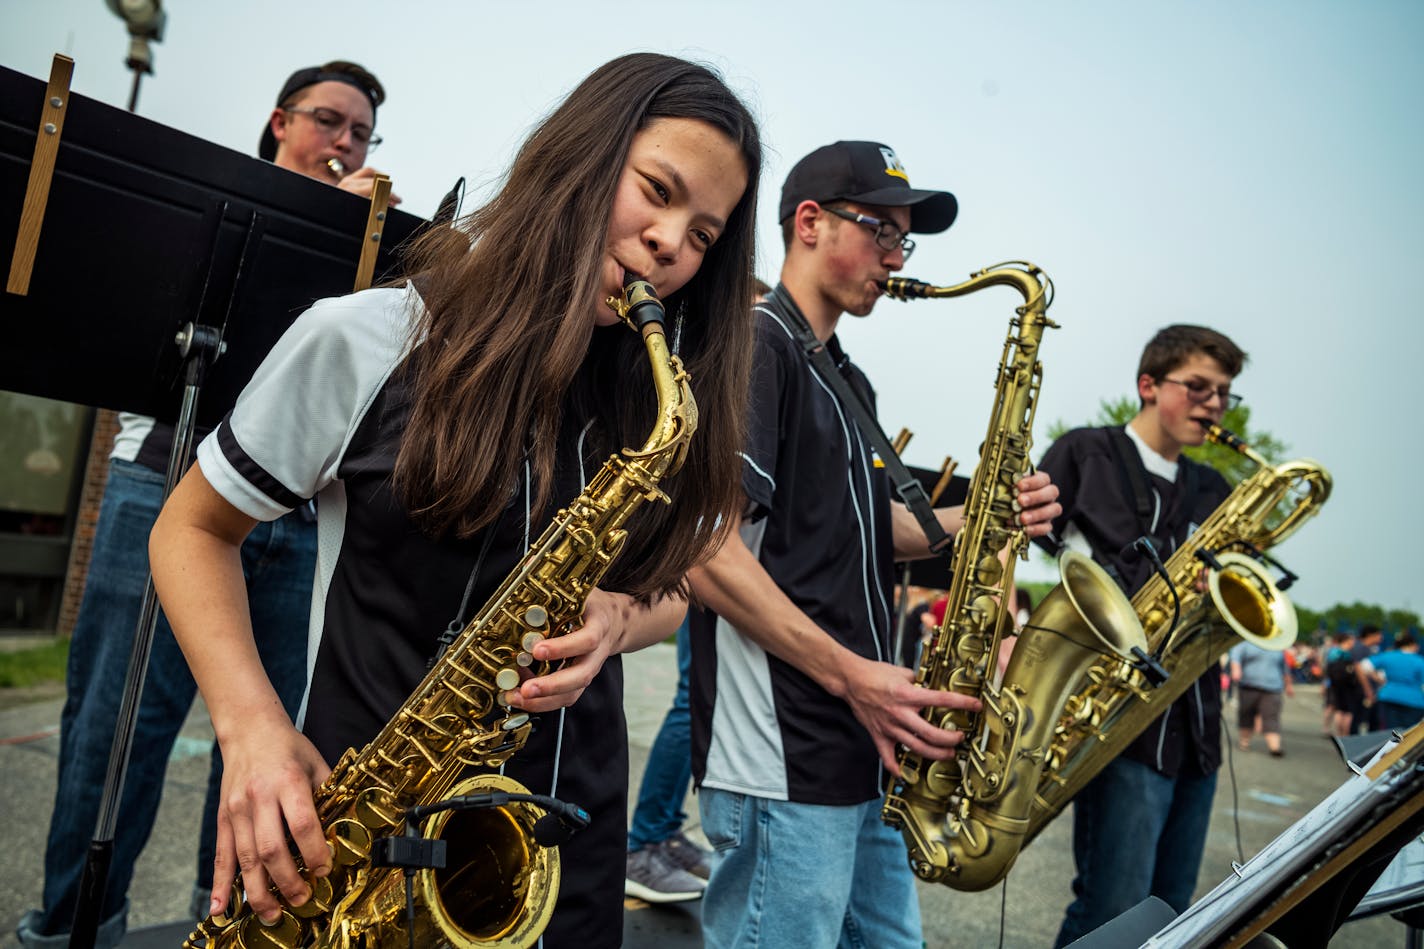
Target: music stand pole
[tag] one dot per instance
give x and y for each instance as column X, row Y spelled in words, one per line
column 198, row 345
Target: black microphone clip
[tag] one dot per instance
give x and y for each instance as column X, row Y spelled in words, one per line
column 1153, row 671
column 1209, row 558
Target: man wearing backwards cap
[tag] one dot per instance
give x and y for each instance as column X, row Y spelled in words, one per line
column 324, row 124
column 796, row 707
column 324, row 112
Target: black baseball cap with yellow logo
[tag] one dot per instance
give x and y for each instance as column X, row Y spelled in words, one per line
column 867, row 173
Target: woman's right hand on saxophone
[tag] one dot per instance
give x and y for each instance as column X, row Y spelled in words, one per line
column 270, row 772
column 270, row 769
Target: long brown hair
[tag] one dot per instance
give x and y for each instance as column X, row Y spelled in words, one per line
column 505, row 346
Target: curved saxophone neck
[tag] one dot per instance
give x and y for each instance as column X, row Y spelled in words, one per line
column 643, row 311
column 1298, row 487
column 1031, row 283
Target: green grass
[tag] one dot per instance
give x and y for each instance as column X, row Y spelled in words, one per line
column 33, row 666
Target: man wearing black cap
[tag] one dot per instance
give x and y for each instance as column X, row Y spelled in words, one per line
column 324, row 125
column 797, row 704
column 324, row 114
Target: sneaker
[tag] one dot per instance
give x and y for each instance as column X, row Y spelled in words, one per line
column 652, row 876
column 687, row 855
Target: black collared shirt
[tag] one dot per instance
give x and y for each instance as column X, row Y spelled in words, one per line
column 1098, row 509
column 820, row 525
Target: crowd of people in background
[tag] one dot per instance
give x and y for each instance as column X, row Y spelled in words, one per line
column 1368, row 682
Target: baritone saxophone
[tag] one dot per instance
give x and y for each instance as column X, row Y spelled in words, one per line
column 964, row 819
column 1189, row 623
column 499, row 887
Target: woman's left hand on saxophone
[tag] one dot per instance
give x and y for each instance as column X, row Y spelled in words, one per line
column 612, row 623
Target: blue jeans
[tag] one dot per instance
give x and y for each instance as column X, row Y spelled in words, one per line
column 805, row 875
column 278, row 560
column 659, row 812
column 1136, row 833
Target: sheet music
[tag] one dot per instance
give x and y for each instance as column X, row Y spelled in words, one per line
column 1302, row 845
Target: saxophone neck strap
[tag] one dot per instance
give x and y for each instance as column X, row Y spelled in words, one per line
column 1133, row 475
column 1137, row 486
column 906, row 485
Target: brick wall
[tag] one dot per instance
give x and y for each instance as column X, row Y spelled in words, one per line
column 106, row 425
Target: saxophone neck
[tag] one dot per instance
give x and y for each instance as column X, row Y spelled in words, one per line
column 643, row 311
column 1031, row 283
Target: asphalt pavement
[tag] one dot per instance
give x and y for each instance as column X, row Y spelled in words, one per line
column 1257, row 796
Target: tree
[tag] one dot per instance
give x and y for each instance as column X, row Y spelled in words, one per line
column 1234, row 466
column 1351, row 616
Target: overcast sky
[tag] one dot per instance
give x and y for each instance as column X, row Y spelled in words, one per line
column 1252, row 166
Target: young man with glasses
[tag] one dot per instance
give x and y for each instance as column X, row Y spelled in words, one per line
column 797, row 703
column 324, row 126
column 278, row 560
column 1140, row 826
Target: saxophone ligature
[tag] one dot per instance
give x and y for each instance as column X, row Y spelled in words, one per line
column 1188, row 623
column 964, row 819
column 499, row 886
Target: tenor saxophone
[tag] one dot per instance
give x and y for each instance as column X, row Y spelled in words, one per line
column 964, row 820
column 499, row 888
column 1239, row 600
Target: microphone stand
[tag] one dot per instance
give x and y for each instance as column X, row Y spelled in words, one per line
column 199, row 345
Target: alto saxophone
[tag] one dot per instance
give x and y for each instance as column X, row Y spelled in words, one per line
column 964, row 819
column 500, row 885
column 1239, row 601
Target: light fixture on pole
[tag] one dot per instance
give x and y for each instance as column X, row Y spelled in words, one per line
column 145, row 20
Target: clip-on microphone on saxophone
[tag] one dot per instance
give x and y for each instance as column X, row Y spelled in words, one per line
column 1150, row 665
column 413, row 853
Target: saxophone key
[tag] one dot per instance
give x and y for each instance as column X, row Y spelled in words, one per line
column 350, row 842
column 319, row 903
column 536, row 616
column 988, row 571
column 285, row 931
column 374, row 808
column 507, row 679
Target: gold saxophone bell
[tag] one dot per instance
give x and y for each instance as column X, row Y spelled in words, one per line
column 1249, row 602
column 486, row 903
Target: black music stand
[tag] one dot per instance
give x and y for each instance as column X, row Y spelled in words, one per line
column 151, row 236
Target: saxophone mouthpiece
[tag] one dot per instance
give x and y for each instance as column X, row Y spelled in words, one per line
column 904, row 288
column 1220, row 436
column 640, row 305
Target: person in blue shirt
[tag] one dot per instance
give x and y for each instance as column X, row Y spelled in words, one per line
column 1400, row 674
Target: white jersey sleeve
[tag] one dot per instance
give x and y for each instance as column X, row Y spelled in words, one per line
column 284, row 439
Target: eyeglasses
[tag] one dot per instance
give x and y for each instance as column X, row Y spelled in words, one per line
column 332, row 123
column 1200, row 391
column 887, row 235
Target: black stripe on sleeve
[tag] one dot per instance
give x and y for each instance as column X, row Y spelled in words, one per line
column 251, row 471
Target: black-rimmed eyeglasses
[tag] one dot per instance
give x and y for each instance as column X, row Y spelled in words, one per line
column 887, row 235
column 332, row 123
column 1200, row 391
